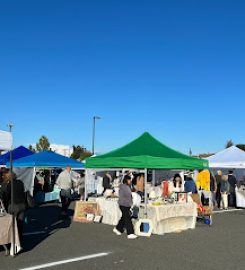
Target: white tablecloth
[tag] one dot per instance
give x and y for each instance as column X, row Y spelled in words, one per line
column 240, row 197
column 6, row 233
column 173, row 217
column 110, row 211
column 166, row 218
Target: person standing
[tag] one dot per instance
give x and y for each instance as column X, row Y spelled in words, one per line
column 190, row 185
column 218, row 178
column 213, row 189
column 232, row 196
column 203, row 180
column 107, row 179
column 65, row 183
column 19, row 201
column 125, row 203
column 140, row 181
column 224, row 190
column 3, row 188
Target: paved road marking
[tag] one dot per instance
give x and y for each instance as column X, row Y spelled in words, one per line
column 46, row 265
column 37, row 232
column 227, row 211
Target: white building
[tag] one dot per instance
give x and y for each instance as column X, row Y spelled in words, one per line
column 61, row 149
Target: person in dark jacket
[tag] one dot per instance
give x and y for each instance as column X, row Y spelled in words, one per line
column 190, row 185
column 125, row 203
column 3, row 188
column 218, row 178
column 107, row 179
column 232, row 196
column 213, row 189
column 19, row 202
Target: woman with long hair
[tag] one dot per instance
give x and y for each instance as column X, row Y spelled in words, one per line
column 125, row 203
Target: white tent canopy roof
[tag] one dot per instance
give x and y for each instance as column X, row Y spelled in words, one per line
column 231, row 157
column 6, row 140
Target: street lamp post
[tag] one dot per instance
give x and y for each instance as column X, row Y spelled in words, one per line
column 93, row 137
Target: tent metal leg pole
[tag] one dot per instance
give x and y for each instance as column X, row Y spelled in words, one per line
column 85, row 185
column 12, row 193
column 146, row 198
column 33, row 180
column 153, row 177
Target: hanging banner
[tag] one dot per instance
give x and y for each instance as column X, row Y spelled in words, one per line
column 6, row 140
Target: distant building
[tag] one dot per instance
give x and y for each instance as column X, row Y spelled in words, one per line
column 64, row 150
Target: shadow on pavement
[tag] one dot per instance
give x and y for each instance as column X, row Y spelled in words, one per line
column 41, row 222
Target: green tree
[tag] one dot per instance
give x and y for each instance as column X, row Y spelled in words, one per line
column 43, row 144
column 30, row 147
column 229, row 143
column 241, row 146
column 80, row 152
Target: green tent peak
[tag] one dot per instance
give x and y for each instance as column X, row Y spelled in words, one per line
column 145, row 152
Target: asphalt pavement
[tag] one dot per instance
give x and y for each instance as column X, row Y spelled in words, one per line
column 49, row 239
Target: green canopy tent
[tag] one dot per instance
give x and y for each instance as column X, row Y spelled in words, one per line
column 145, row 152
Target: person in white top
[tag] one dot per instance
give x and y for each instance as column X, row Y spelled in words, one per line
column 65, row 183
column 177, row 184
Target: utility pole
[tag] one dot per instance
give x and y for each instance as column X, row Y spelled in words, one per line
column 93, row 136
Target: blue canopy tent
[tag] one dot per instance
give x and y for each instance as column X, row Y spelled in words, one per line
column 17, row 153
column 25, row 167
column 47, row 159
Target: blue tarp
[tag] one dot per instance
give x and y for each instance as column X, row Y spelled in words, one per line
column 17, row 153
column 47, row 159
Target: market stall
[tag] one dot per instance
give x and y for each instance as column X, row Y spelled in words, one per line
column 231, row 158
column 172, row 217
column 25, row 168
column 142, row 154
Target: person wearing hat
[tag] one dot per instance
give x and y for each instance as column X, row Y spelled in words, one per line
column 224, row 190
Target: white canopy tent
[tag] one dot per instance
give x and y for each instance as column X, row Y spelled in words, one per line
column 232, row 157
column 6, row 140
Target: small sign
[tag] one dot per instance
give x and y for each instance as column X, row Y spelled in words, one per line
column 83, row 210
column 182, row 197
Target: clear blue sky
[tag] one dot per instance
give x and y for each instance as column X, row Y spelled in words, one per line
column 173, row 68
